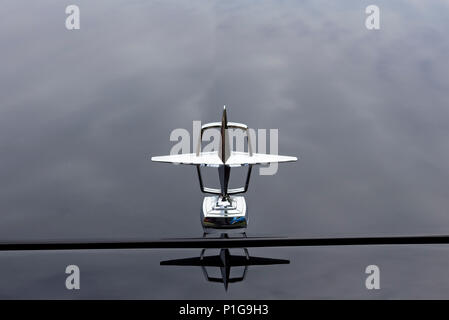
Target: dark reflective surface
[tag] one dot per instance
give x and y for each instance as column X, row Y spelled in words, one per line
column 224, row 261
column 81, row 113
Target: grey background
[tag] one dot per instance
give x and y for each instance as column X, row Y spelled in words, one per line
column 82, row 111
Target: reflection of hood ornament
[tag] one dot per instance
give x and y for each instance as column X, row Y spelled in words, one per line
column 224, row 210
column 225, row 261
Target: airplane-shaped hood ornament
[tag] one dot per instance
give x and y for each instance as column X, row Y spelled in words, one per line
column 224, row 210
column 224, row 156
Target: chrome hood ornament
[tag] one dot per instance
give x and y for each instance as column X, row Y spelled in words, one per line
column 224, row 210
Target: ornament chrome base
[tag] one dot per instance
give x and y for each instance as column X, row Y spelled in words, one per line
column 219, row 214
